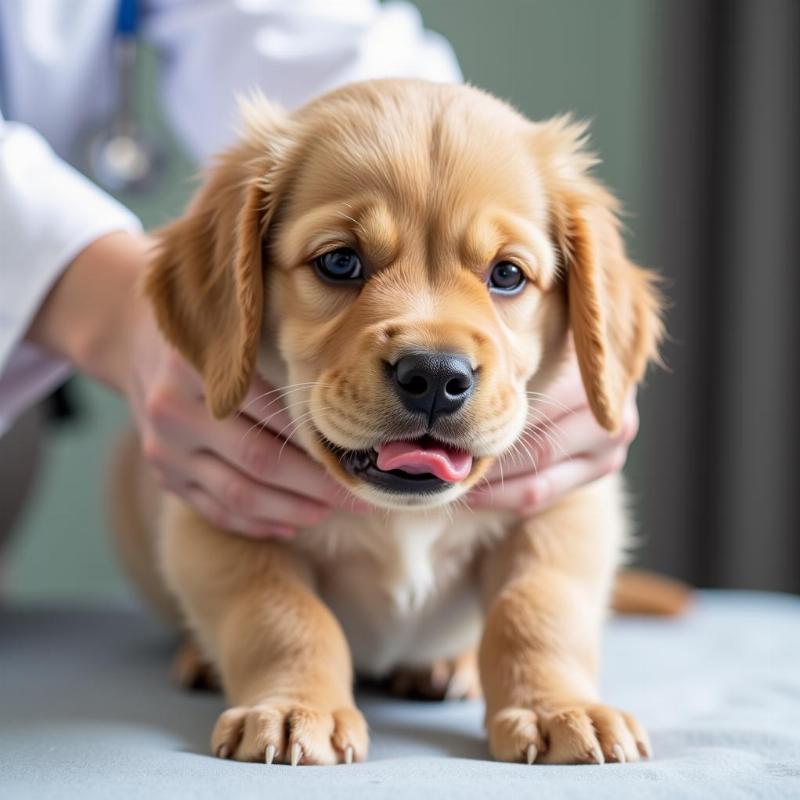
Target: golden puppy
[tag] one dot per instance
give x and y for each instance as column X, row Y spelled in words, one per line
column 408, row 259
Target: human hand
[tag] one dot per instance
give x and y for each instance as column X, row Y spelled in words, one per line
column 239, row 473
column 562, row 449
column 243, row 476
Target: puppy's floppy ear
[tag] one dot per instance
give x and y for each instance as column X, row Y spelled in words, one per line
column 614, row 306
column 206, row 280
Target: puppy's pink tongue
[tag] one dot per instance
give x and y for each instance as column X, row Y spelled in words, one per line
column 447, row 463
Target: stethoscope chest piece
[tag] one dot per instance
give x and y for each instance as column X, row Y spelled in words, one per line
column 122, row 157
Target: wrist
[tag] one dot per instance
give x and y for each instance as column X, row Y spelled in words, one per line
column 92, row 313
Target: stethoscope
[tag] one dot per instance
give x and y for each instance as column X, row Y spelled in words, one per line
column 121, row 156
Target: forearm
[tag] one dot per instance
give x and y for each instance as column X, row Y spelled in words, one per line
column 89, row 317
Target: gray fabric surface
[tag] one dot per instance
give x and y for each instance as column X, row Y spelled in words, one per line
column 87, row 711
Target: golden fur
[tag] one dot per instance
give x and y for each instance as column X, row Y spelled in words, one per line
column 432, row 184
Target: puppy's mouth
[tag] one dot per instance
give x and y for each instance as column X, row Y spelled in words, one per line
column 413, row 466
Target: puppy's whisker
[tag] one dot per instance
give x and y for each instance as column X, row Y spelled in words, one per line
column 531, row 457
column 520, row 452
column 552, row 436
column 303, row 419
column 261, row 424
column 508, row 452
column 538, row 442
column 297, row 422
column 485, row 480
column 536, row 429
column 448, row 510
column 510, row 456
column 295, row 431
column 537, row 417
column 280, row 390
column 288, row 407
column 547, row 399
column 515, row 454
column 258, row 424
column 460, row 504
column 286, row 392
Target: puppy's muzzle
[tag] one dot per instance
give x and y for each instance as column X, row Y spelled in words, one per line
column 433, row 383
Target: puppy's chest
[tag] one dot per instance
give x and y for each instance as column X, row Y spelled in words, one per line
column 402, row 585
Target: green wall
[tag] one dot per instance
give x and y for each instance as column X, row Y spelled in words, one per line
column 590, row 57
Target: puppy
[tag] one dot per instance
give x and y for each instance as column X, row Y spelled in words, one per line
column 411, row 263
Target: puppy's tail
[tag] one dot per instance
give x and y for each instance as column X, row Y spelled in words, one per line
column 637, row 591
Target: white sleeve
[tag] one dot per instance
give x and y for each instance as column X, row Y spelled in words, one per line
column 292, row 51
column 48, row 214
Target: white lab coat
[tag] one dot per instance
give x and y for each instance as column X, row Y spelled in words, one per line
column 56, row 81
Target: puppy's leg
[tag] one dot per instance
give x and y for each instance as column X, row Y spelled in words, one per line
column 192, row 669
column 547, row 589
column 444, row 679
column 281, row 655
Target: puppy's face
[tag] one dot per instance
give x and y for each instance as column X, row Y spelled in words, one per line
column 411, row 247
column 413, row 293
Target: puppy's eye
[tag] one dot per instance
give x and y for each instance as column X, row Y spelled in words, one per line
column 506, row 278
column 342, row 266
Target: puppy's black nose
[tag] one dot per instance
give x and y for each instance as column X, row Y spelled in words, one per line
column 433, row 383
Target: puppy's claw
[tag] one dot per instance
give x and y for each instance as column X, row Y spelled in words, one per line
column 645, row 751
column 531, row 753
column 269, row 755
column 595, row 756
column 297, row 751
column 222, row 751
column 348, row 754
column 619, row 753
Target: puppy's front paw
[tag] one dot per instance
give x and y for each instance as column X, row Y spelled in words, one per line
column 584, row 734
column 288, row 732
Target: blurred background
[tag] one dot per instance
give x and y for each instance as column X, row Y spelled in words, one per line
column 694, row 110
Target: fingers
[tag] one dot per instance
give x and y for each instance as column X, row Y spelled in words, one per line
column 574, row 451
column 575, row 433
column 271, row 461
column 180, row 427
column 224, row 518
column 240, row 476
column 560, row 425
column 564, row 394
column 528, row 494
column 239, row 495
column 563, row 438
column 266, row 405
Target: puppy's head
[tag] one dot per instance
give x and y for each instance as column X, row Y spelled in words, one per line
column 406, row 260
